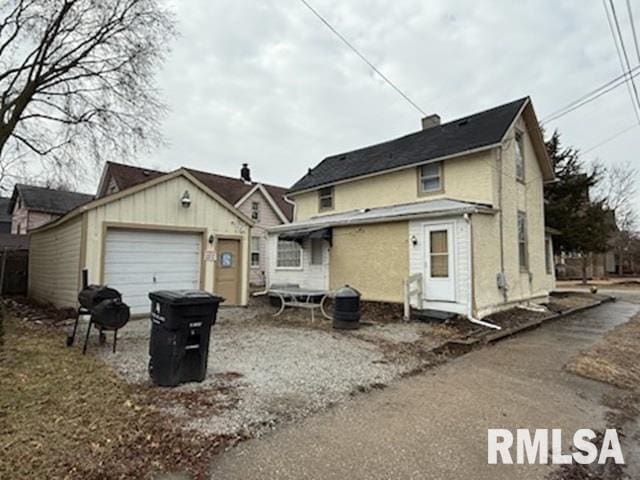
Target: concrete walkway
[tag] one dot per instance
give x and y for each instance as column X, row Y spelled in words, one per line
column 435, row 425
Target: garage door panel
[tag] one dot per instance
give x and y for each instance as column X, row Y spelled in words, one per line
column 138, row 262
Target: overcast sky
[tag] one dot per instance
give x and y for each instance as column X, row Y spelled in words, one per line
column 264, row 82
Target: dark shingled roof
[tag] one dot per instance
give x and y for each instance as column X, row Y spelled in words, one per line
column 230, row 188
column 41, row 199
column 451, row 138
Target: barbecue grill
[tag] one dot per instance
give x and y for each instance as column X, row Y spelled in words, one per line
column 105, row 309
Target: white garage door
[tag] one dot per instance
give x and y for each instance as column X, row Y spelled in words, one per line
column 138, row 262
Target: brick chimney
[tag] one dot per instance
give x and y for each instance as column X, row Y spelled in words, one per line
column 429, row 121
column 245, row 172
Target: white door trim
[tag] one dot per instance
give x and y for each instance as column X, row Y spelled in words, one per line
column 450, row 227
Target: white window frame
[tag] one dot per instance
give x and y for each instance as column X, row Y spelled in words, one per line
column 523, row 239
column 422, row 177
column 519, row 155
column 258, row 240
column 323, row 194
column 255, row 211
column 289, row 267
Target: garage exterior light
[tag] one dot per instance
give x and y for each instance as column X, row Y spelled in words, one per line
column 185, row 199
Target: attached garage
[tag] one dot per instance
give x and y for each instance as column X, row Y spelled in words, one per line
column 142, row 239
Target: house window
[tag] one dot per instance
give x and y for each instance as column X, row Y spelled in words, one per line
column 431, row 177
column 316, row 251
column 255, row 211
column 289, row 254
column 255, row 251
column 548, row 255
column 325, row 196
column 522, row 241
column 439, row 253
column 520, row 156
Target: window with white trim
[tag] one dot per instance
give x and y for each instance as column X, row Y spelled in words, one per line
column 523, row 253
column 431, row 177
column 289, row 254
column 520, row 156
column 255, row 211
column 325, row 197
column 255, row 251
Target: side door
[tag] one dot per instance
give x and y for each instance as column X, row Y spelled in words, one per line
column 439, row 262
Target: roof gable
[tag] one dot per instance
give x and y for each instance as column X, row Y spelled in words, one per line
column 142, row 186
column 229, row 188
column 480, row 130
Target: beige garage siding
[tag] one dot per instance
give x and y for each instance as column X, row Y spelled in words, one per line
column 54, row 264
column 158, row 207
column 371, row 258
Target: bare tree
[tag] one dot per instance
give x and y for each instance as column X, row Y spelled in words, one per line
column 76, row 82
column 617, row 189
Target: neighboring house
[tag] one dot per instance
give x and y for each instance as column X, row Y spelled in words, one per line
column 32, row 206
column 265, row 204
column 5, row 216
column 172, row 231
column 455, row 209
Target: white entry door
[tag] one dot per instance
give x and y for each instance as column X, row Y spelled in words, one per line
column 137, row 262
column 439, row 282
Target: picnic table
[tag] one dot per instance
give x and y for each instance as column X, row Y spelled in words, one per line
column 297, row 297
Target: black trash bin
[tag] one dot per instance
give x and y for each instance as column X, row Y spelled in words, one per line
column 181, row 322
column 346, row 308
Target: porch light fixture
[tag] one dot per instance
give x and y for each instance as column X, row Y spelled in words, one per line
column 212, row 239
column 185, row 200
column 414, row 240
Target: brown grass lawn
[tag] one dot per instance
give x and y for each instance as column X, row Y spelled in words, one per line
column 616, row 359
column 65, row 415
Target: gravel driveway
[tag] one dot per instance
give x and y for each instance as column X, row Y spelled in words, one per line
column 264, row 371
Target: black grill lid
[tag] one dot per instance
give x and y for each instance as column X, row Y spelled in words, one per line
column 346, row 292
column 184, row 297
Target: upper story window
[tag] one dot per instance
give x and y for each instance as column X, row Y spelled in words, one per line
column 523, row 252
column 431, row 177
column 325, row 197
column 289, row 254
column 520, row 156
column 255, row 211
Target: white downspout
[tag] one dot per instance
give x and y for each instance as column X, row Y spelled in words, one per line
column 470, row 316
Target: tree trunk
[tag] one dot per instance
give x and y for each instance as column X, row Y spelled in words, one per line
column 584, row 268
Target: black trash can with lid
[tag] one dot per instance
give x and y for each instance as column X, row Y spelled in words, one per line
column 181, row 322
column 346, row 308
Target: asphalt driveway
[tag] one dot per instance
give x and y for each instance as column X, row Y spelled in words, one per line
column 435, row 425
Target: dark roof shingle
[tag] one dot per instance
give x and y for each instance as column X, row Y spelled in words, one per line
column 451, row 138
column 5, row 215
column 41, row 199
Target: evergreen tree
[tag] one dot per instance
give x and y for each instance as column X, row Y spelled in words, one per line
column 583, row 223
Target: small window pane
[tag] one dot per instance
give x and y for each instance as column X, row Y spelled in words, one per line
column 289, row 254
column 522, row 241
column 326, row 197
column 439, row 266
column 431, row 170
column 255, row 251
column 316, row 251
column 430, row 184
column 438, row 241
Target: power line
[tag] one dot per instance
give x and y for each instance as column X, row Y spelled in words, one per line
column 363, row 58
column 633, row 30
column 607, row 140
column 592, row 95
column 634, row 102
